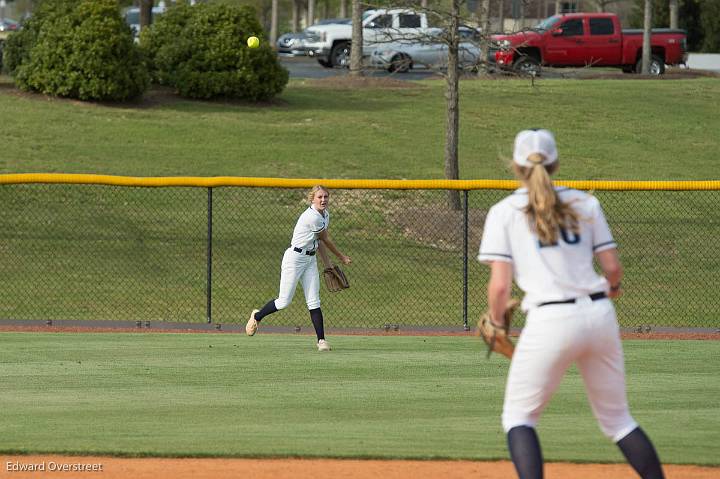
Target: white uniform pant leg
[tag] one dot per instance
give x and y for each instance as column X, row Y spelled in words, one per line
column 293, row 266
column 603, row 369
column 310, row 280
column 543, row 354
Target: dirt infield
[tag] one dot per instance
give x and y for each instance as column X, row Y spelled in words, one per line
column 161, row 468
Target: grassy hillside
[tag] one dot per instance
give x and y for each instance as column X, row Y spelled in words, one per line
column 606, row 129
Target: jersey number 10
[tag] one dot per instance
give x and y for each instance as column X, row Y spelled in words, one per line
column 567, row 237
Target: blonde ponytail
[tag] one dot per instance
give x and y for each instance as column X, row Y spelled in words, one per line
column 546, row 213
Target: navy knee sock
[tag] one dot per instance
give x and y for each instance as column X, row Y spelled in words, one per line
column 641, row 455
column 269, row 308
column 525, row 452
column 317, row 319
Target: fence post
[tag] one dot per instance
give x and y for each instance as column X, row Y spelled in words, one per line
column 209, row 254
column 465, row 261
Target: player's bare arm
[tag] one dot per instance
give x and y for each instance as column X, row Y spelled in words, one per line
column 501, row 276
column 324, row 237
column 611, row 267
column 324, row 256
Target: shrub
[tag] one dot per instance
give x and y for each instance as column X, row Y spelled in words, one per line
column 78, row 49
column 19, row 44
column 201, row 52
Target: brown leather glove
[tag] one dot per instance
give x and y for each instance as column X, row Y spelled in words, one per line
column 335, row 279
column 495, row 336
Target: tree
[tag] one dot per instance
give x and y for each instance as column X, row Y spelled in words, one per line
column 710, row 19
column 673, row 13
column 310, row 12
column 646, row 53
column 451, row 38
column 357, row 39
column 452, row 99
column 274, row 23
column 484, row 16
column 77, row 49
column 689, row 18
column 602, row 4
column 201, row 52
column 295, row 15
column 501, row 14
column 145, row 13
column 342, row 10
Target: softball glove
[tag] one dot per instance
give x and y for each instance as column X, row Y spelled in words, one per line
column 335, row 279
column 497, row 337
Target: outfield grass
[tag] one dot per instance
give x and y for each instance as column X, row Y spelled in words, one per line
column 275, row 395
column 137, row 254
column 99, row 253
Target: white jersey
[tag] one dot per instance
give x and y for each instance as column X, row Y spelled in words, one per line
column 309, row 226
column 548, row 273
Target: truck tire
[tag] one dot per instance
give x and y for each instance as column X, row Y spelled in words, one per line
column 657, row 66
column 340, row 55
column 527, row 65
column 324, row 63
column 400, row 63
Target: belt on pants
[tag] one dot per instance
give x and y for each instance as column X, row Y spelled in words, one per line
column 594, row 297
column 301, row 251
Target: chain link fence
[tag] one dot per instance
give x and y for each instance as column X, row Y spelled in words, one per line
column 194, row 254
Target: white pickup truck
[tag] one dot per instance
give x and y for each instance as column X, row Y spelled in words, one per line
column 330, row 44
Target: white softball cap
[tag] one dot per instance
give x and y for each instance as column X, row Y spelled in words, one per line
column 528, row 142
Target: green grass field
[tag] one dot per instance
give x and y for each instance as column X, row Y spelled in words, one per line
column 160, row 394
column 606, row 129
column 140, row 254
column 107, row 253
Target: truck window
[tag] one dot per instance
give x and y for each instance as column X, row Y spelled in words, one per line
column 409, row 21
column 572, row 28
column 601, row 26
column 381, row 21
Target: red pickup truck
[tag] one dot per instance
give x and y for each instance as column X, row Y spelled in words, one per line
column 587, row 39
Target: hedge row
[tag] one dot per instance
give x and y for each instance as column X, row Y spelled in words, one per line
column 83, row 49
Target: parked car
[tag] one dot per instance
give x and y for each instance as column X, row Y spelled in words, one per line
column 588, row 39
column 293, row 44
column 429, row 52
column 330, row 44
column 8, row 25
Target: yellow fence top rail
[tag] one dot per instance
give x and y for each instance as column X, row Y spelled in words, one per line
column 218, row 181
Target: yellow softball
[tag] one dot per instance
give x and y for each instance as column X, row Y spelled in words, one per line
column 253, row 42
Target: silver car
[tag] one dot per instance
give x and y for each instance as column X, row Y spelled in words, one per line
column 429, row 52
column 293, row 44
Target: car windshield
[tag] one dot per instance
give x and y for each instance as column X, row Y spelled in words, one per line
column 547, row 24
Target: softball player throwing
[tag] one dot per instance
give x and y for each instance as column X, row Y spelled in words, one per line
column 545, row 237
column 300, row 264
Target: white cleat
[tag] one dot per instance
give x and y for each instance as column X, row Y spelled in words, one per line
column 252, row 324
column 323, row 345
